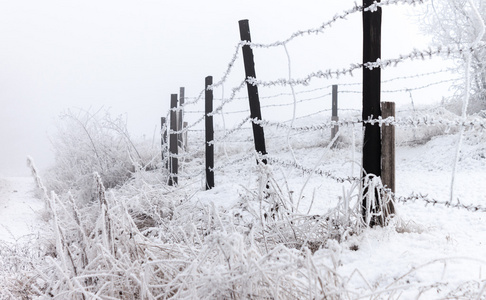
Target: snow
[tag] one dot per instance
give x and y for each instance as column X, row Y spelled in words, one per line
column 436, row 248
column 428, row 252
column 20, row 209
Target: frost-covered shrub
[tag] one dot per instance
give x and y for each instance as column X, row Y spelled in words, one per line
column 421, row 134
column 95, row 142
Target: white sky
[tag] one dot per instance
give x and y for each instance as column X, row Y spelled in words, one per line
column 129, row 56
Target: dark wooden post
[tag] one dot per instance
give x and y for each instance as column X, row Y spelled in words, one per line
column 371, row 93
column 163, row 132
column 209, row 134
column 255, row 111
column 388, row 147
column 334, row 117
column 173, row 149
column 180, row 118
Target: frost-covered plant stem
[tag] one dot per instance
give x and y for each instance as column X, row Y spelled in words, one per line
column 316, row 166
column 294, row 107
column 465, row 104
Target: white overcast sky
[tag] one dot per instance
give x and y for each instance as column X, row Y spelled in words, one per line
column 129, row 56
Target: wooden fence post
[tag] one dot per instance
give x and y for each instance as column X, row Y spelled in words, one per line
column 184, row 137
column 334, row 117
column 388, row 147
column 255, row 110
column 209, row 134
column 180, row 118
column 163, row 132
column 173, row 149
column 371, row 94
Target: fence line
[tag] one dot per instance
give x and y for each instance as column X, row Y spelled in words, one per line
column 412, row 122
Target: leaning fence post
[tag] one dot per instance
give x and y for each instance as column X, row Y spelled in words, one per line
column 180, row 116
column 209, row 133
column 173, row 149
column 163, row 132
column 255, row 110
column 335, row 118
column 388, row 147
column 371, row 96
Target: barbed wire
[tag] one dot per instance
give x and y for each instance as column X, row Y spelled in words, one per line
column 475, row 123
column 231, row 131
column 342, row 16
column 414, row 76
column 320, row 29
column 379, row 63
column 317, row 171
column 419, row 87
column 233, row 162
column 429, row 53
column 431, row 201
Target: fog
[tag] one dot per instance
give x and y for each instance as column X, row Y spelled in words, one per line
column 129, row 56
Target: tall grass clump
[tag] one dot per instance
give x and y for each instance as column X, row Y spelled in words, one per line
column 101, row 250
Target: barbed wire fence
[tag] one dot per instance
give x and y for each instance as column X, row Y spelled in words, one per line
column 234, row 142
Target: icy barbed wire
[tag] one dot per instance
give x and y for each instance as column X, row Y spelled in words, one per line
column 233, row 162
column 425, row 198
column 221, row 81
column 329, row 94
column 322, row 111
column 309, row 31
column 317, row 127
column 215, row 111
column 379, row 63
column 318, row 30
column 231, row 131
column 475, row 123
column 295, row 165
column 228, row 100
column 414, row 76
column 355, row 84
column 407, row 122
column 360, row 83
column 420, row 87
column 342, row 16
column 408, row 89
column 429, row 53
column 267, row 137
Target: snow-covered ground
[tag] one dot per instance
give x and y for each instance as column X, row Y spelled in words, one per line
column 432, row 251
column 428, row 252
column 20, row 209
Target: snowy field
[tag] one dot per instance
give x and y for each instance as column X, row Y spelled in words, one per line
column 145, row 240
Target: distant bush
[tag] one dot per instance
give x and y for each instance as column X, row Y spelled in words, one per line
column 95, row 142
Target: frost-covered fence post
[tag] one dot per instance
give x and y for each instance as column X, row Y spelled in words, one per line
column 371, row 95
column 163, row 132
column 255, row 110
column 388, row 147
column 334, row 117
column 173, row 149
column 180, row 120
column 209, row 133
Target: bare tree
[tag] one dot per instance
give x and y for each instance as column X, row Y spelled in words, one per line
column 460, row 22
